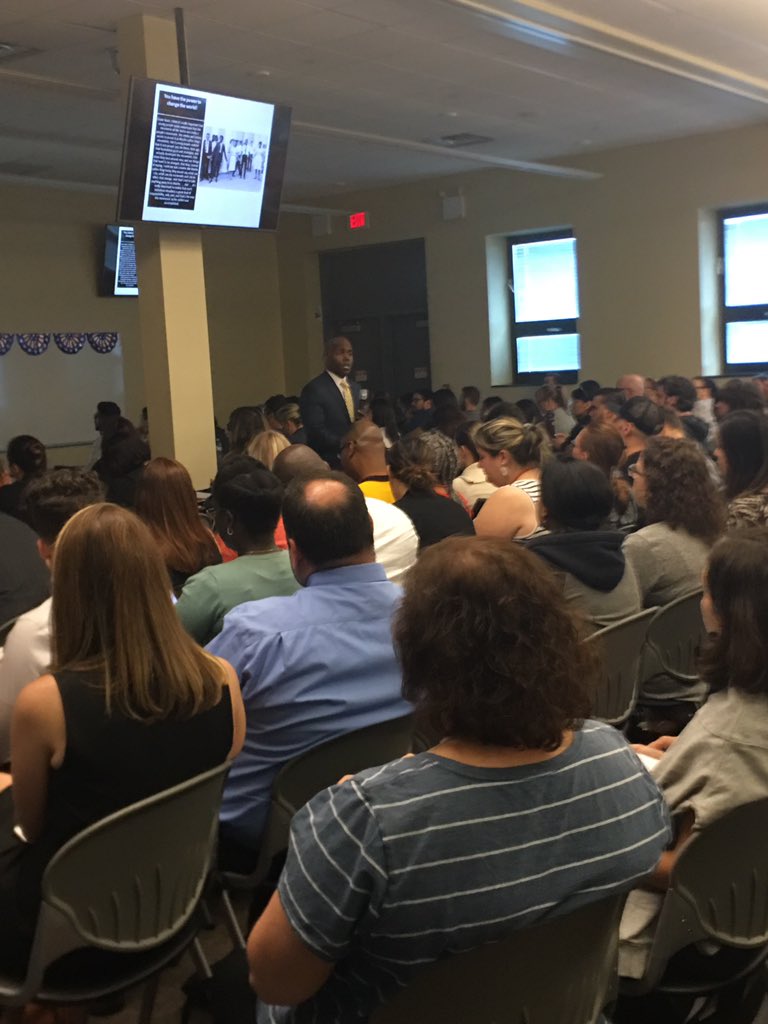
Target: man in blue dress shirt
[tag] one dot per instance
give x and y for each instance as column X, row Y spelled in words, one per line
column 313, row 665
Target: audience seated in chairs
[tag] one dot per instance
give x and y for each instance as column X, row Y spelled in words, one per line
column 266, row 446
column 601, row 444
column 472, row 485
column 685, row 515
column 166, row 501
column 364, row 458
column 133, row 706
column 720, row 760
column 247, row 511
column 314, row 665
column 27, row 460
column 243, row 425
column 415, row 485
column 511, row 455
column 742, row 456
column 24, row 579
column 576, row 500
column 638, row 419
column 123, row 455
column 497, row 825
column 52, row 500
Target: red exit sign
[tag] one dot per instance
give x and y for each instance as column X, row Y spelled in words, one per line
column 358, row 220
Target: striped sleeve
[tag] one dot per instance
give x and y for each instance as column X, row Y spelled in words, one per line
column 335, row 875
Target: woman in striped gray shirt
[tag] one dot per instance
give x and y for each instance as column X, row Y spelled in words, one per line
column 524, row 808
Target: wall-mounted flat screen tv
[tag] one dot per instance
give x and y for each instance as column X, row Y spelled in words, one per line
column 118, row 270
column 200, row 158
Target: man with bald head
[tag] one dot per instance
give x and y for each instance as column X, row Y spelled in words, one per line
column 329, row 402
column 314, row 665
column 364, row 458
column 297, row 460
column 632, row 384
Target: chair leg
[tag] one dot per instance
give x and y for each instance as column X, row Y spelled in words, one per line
column 201, row 964
column 231, row 922
column 148, row 997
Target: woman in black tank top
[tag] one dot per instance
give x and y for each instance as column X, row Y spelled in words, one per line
column 132, row 707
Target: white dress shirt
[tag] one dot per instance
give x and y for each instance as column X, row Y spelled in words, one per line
column 26, row 655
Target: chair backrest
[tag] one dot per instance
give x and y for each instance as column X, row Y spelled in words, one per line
column 133, row 880
column 718, row 889
column 675, row 634
column 560, row 971
column 322, row 766
column 620, row 648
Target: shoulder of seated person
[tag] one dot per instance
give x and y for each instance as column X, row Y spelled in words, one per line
column 36, row 696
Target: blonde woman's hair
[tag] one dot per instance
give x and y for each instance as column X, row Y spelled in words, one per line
column 267, row 445
column 525, row 442
column 112, row 615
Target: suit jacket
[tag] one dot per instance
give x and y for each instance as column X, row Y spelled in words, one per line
column 325, row 416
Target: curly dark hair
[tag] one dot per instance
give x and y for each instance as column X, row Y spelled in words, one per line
column 489, row 649
column 737, row 580
column 679, row 489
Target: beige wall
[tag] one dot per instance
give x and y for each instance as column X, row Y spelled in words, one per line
column 244, row 318
column 52, row 243
column 638, row 227
column 644, row 232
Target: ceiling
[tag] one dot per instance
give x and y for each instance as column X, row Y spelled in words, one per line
column 375, row 84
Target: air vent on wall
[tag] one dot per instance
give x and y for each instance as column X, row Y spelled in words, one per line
column 460, row 139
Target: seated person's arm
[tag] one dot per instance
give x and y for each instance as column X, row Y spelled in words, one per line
column 334, row 877
column 38, row 740
column 238, row 709
column 283, row 971
column 661, row 874
column 508, row 512
column 196, row 607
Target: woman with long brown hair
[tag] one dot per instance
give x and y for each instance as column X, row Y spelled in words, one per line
column 132, row 706
column 166, row 501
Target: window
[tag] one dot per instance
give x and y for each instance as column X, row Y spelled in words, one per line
column 545, row 306
column 744, row 289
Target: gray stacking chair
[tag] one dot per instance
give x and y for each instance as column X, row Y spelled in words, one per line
column 620, row 648
column 305, row 776
column 676, row 634
column 125, row 893
column 718, row 891
column 560, row 972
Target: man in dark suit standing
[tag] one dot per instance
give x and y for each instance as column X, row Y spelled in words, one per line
column 329, row 402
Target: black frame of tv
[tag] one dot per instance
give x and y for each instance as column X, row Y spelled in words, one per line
column 135, row 162
column 108, row 274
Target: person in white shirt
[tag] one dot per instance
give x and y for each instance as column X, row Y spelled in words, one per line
column 473, row 485
column 395, row 540
column 51, row 501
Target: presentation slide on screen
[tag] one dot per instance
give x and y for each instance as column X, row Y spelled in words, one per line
column 208, row 158
column 126, row 280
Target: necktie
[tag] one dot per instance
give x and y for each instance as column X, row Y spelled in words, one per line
column 347, row 393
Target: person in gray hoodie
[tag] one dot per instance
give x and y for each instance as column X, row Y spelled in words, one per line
column 576, row 501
